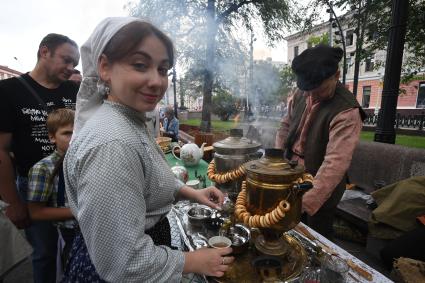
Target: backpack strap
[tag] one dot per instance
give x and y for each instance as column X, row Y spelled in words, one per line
column 34, row 93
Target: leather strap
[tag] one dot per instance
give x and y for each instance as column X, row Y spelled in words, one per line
column 34, row 93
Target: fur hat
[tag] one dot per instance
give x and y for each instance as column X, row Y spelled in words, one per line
column 316, row 64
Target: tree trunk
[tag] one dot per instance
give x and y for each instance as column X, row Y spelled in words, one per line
column 359, row 45
column 361, row 26
column 210, row 67
column 181, row 94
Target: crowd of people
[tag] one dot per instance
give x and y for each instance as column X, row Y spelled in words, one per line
column 96, row 182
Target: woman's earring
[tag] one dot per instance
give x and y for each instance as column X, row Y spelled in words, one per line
column 103, row 88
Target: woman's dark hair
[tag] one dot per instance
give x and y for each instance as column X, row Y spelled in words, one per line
column 128, row 38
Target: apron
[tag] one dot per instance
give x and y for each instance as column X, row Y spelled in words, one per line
column 80, row 268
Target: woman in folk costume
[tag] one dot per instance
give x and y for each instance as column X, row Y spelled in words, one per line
column 119, row 184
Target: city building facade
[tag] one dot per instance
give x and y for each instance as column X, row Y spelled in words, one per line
column 6, row 72
column 370, row 83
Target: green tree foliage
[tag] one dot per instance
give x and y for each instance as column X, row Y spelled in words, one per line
column 208, row 31
column 377, row 22
column 224, row 104
column 378, row 29
column 320, row 39
column 287, row 82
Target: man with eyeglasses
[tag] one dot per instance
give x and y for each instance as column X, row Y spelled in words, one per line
column 26, row 102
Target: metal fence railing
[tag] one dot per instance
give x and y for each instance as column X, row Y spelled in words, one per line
column 414, row 122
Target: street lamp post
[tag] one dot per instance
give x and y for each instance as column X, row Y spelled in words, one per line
column 385, row 131
column 331, row 40
column 174, row 79
column 251, row 70
column 332, row 12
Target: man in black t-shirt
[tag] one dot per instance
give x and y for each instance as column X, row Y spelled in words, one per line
column 23, row 130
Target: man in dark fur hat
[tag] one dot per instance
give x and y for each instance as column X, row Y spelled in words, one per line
column 321, row 130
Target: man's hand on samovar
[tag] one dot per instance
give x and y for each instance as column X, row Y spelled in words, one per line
column 312, row 201
column 210, row 196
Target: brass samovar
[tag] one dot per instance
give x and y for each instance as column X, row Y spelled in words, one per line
column 269, row 203
column 226, row 169
column 270, row 199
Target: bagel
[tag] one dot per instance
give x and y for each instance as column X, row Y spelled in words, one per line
column 263, row 221
column 280, row 212
column 240, row 207
column 250, row 221
column 286, row 206
column 257, row 221
column 238, row 211
column 246, row 218
column 273, row 213
column 230, row 176
column 273, row 217
column 242, row 214
column 221, row 178
column 267, row 219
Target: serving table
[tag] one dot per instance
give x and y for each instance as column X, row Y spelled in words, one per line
column 182, row 234
column 179, row 227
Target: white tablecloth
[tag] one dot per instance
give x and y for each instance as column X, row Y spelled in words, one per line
column 377, row 277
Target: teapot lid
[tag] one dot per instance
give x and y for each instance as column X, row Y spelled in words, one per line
column 273, row 164
column 236, row 144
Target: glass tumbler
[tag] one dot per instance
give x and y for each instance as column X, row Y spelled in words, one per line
column 334, row 270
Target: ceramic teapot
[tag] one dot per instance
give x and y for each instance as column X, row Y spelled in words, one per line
column 190, row 153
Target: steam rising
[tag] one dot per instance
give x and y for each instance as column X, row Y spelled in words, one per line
column 231, row 66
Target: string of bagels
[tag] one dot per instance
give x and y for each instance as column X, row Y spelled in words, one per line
column 269, row 219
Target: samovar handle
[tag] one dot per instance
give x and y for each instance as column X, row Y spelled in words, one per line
column 303, row 184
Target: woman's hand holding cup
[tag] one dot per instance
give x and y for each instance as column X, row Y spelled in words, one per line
column 208, row 261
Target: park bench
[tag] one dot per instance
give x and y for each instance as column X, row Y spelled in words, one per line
column 373, row 163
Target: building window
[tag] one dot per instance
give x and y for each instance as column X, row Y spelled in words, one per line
column 349, row 64
column 295, row 51
column 420, row 102
column 366, row 96
column 369, row 64
column 349, row 37
column 371, row 34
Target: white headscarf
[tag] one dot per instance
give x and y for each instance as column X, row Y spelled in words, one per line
column 90, row 96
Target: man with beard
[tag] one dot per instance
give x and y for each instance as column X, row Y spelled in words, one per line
column 25, row 104
column 320, row 131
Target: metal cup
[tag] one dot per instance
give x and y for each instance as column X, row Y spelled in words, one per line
column 219, row 242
